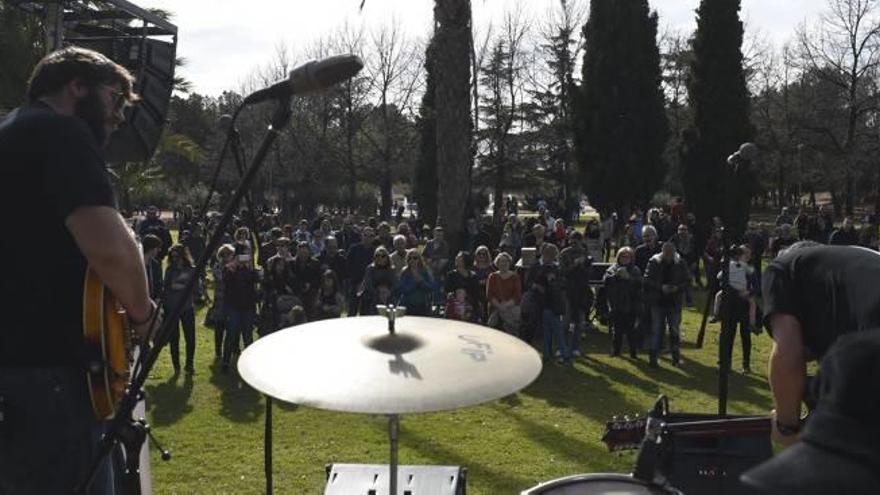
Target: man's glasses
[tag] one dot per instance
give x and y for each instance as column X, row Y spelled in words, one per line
column 119, row 99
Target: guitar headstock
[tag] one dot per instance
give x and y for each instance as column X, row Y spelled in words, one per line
column 624, row 433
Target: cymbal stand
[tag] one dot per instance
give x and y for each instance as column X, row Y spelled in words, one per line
column 392, row 313
column 393, row 431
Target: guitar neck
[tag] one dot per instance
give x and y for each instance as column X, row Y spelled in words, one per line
column 721, row 427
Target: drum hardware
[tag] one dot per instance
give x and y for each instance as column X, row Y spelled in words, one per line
column 389, row 365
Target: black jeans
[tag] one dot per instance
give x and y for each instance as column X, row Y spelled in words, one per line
column 623, row 324
column 738, row 316
column 219, row 333
column 188, row 321
column 48, row 436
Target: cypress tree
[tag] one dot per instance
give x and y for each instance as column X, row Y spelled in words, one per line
column 719, row 97
column 620, row 120
column 426, row 182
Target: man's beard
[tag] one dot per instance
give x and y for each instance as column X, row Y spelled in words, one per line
column 91, row 110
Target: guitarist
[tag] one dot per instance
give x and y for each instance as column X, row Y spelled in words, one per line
column 51, row 168
column 813, row 294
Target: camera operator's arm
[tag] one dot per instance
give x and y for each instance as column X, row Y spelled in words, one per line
column 787, row 373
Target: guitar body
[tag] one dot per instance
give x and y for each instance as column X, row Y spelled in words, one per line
column 105, row 330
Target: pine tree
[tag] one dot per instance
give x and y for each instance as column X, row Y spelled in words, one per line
column 719, row 97
column 620, row 121
column 425, row 184
column 452, row 61
column 548, row 113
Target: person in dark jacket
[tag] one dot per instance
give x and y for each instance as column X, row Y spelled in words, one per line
column 666, row 278
column 306, row 276
column 378, row 283
column 178, row 274
column 240, row 303
column 548, row 286
column 643, row 254
column 846, row 235
column 623, row 292
column 464, row 277
column 151, row 246
column 358, row 258
column 575, row 263
column 153, row 224
column 416, row 286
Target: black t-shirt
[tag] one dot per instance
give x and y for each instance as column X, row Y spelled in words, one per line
column 831, row 290
column 50, row 165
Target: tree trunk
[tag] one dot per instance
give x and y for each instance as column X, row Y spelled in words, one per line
column 385, row 189
column 452, row 37
column 780, row 185
column 849, row 195
column 498, row 195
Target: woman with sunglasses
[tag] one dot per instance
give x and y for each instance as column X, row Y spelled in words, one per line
column 379, row 273
column 416, row 287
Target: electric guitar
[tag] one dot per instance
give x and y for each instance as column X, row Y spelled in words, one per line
column 108, row 344
column 627, row 432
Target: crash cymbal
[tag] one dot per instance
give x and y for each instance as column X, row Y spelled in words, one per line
column 355, row 365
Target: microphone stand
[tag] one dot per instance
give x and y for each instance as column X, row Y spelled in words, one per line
column 123, row 429
column 728, row 325
column 736, row 166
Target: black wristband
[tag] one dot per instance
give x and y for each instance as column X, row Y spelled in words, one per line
column 148, row 318
column 787, row 430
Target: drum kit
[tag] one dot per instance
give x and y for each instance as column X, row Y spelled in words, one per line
column 392, row 365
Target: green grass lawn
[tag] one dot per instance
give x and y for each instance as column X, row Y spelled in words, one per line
column 213, row 423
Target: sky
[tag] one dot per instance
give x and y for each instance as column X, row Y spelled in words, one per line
column 224, row 41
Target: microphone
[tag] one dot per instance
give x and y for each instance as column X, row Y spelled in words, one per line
column 746, row 154
column 314, row 75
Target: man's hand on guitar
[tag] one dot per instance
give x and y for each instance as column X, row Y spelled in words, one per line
column 783, row 433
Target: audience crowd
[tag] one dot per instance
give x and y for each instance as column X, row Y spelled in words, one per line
column 535, row 277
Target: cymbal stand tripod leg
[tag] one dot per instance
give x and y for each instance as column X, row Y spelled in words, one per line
column 393, row 430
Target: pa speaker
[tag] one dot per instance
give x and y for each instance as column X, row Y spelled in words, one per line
column 372, row 479
column 712, row 464
column 152, row 62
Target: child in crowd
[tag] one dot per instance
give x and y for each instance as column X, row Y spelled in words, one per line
column 458, row 307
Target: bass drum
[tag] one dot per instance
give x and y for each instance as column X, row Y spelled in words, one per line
column 598, row 484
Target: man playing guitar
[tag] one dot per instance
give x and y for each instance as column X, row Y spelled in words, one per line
column 61, row 218
column 813, row 294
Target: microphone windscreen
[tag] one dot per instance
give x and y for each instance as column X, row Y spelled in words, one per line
column 336, row 69
column 748, row 151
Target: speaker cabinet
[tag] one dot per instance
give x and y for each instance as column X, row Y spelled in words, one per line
column 152, row 62
column 712, row 465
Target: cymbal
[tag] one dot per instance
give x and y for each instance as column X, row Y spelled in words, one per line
column 355, row 365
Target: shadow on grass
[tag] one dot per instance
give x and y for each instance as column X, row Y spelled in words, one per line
column 592, row 386
column 588, row 393
column 429, row 447
column 168, row 402
column 567, row 446
column 238, row 401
